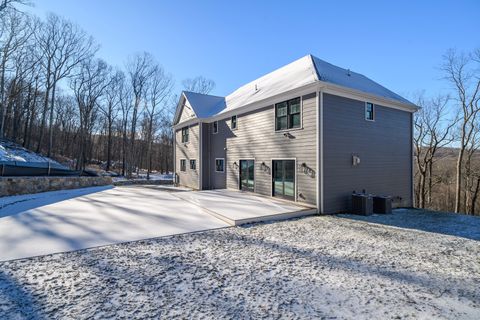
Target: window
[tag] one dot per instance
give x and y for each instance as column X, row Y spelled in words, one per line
column 288, row 114
column 233, row 122
column 183, row 165
column 185, row 135
column 215, row 127
column 219, row 165
column 193, row 164
column 369, row 111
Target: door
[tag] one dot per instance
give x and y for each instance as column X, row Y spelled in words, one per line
column 247, row 175
column 283, row 179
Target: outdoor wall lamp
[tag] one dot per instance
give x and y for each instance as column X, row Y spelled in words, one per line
column 263, row 166
column 235, row 165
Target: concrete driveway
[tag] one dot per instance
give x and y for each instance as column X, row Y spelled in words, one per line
column 60, row 221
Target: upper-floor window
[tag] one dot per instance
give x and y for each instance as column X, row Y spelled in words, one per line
column 183, row 165
column 219, row 165
column 233, row 122
column 369, row 111
column 215, row 127
column 288, row 114
column 184, row 134
column 193, row 164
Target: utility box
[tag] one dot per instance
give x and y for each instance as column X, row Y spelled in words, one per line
column 382, row 204
column 362, row 204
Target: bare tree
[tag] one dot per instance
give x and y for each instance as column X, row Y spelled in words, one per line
column 462, row 71
column 472, row 171
column 198, row 84
column 88, row 85
column 433, row 131
column 110, row 108
column 126, row 108
column 157, row 93
column 140, row 68
column 64, row 46
column 10, row 5
column 17, row 30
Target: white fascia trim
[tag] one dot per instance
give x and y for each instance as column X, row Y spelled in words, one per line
column 306, row 89
column 180, row 105
column 189, row 123
column 362, row 96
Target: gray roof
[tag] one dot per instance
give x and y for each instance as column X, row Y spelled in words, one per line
column 299, row 73
column 330, row 73
column 204, row 105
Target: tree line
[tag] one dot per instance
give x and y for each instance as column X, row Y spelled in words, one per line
column 447, row 139
column 58, row 98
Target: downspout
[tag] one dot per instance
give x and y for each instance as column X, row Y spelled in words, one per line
column 322, row 190
column 174, row 155
column 319, row 150
column 200, row 157
column 412, row 192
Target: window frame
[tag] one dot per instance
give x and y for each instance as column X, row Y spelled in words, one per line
column 236, row 122
column 288, row 115
column 183, row 168
column 187, row 135
column 215, row 126
column 373, row 111
column 223, row 165
column 194, row 164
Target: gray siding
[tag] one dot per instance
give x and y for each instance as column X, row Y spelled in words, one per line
column 190, row 150
column 214, row 147
column 255, row 137
column 383, row 145
column 186, row 114
column 205, row 157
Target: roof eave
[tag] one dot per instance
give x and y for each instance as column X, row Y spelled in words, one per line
column 361, row 95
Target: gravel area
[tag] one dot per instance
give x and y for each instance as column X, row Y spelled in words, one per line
column 318, row 267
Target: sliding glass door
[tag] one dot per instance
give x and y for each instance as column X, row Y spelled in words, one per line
column 283, row 179
column 247, row 175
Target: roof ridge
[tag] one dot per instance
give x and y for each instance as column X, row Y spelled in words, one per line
column 203, row 94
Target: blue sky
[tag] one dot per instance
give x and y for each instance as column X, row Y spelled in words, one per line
column 396, row 43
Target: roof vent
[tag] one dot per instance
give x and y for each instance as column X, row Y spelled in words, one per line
column 348, row 72
column 256, row 88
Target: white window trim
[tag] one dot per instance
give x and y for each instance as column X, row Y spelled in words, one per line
column 275, row 116
column 181, row 135
column 183, row 159
column 190, row 164
column 236, row 122
column 254, row 174
column 213, row 129
column 271, row 178
column 223, row 165
column 373, row 111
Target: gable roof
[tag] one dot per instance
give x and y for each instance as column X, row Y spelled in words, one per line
column 330, row 73
column 203, row 105
column 297, row 74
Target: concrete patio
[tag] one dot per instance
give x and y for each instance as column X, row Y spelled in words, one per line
column 68, row 220
column 237, row 208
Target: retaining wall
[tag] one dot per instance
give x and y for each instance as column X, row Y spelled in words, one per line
column 24, row 185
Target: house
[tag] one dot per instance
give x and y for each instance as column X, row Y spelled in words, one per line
column 309, row 132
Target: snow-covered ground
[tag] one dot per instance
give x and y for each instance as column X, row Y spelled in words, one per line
column 330, row 267
column 60, row 221
column 153, row 176
column 10, row 151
